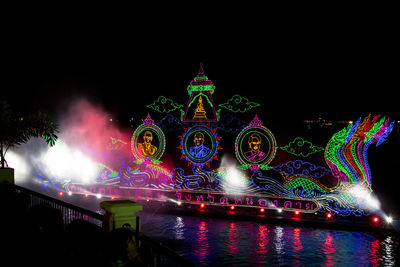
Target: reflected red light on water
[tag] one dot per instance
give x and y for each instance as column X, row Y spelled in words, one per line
column 233, row 235
column 202, row 245
column 328, row 249
column 297, row 245
column 262, row 239
column 375, row 257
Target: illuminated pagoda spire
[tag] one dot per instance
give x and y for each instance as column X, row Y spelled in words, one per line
column 200, row 107
column 201, row 82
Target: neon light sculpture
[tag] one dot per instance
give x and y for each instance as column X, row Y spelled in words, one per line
column 200, row 101
column 301, row 147
column 295, row 177
column 199, row 145
column 164, row 105
column 148, row 141
column 238, row 103
column 346, row 152
column 255, row 146
column 200, row 112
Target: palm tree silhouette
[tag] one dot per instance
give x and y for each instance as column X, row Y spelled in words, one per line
column 17, row 131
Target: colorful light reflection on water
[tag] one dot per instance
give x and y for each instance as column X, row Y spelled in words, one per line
column 216, row 242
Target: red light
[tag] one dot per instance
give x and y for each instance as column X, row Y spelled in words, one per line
column 112, row 198
column 232, row 207
column 329, row 216
column 262, row 210
column 60, row 193
column 86, row 195
column 202, row 205
column 375, row 219
column 297, row 212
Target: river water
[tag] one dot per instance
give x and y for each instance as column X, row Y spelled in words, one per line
column 211, row 241
column 221, row 242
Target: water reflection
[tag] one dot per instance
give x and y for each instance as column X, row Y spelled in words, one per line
column 329, row 249
column 216, row 242
column 179, row 228
column 202, row 246
column 388, row 257
column 233, row 239
column 262, row 239
column 279, row 245
column 374, row 253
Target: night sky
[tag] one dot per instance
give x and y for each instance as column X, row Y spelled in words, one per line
column 292, row 74
column 293, row 77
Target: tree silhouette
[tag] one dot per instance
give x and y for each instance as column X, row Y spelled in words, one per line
column 17, row 131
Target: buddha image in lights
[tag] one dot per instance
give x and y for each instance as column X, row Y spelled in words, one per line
column 199, row 150
column 147, row 148
column 254, row 154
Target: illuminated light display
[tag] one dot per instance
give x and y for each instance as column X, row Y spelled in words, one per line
column 239, row 104
column 199, row 145
column 298, row 177
column 148, row 141
column 164, row 105
column 201, row 83
column 255, row 146
column 301, row 147
column 200, row 112
column 346, row 152
column 299, row 167
column 200, row 106
column 375, row 219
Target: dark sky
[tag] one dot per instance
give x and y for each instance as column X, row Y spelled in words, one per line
column 293, row 72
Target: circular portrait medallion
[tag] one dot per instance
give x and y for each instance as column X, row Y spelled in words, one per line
column 200, row 144
column 148, row 141
column 255, row 146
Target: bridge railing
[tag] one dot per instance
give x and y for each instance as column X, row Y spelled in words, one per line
column 155, row 253
column 69, row 212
